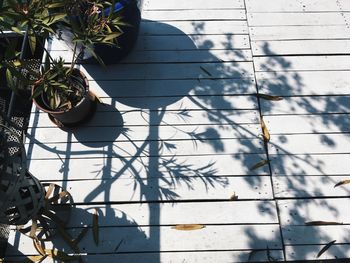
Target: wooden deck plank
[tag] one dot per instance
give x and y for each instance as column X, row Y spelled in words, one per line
column 323, row 123
column 180, row 257
column 179, row 56
column 310, row 144
column 110, row 116
column 119, row 148
column 293, row 6
column 309, row 105
column 309, row 235
column 103, row 168
column 304, row 83
column 178, row 42
column 301, row 47
column 194, row 4
column 165, row 133
column 227, row 70
column 310, row 164
column 298, row 186
column 193, row 27
column 298, row 63
column 209, row 14
column 203, row 187
column 299, row 212
column 296, row 19
column 136, row 239
column 299, row 32
column 309, row 252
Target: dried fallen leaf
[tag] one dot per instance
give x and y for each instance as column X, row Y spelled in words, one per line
column 80, row 236
column 49, row 191
column 38, row 246
column 325, row 248
column 342, row 182
column 206, row 71
column 95, row 228
column 266, row 133
column 259, row 164
column 320, row 223
column 188, row 227
column 234, row 197
column 269, row 97
column 60, row 255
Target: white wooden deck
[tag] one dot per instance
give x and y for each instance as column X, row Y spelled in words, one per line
column 180, row 130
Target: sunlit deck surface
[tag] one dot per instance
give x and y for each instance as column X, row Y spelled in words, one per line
column 180, row 131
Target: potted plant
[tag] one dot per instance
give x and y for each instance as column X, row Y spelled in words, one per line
column 76, row 26
column 59, row 88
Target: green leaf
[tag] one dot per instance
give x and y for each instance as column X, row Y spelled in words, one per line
column 325, row 248
column 9, row 80
column 111, row 36
column 51, row 19
column 17, row 30
column 32, row 42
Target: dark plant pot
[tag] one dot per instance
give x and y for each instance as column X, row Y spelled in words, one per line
column 75, row 116
column 131, row 13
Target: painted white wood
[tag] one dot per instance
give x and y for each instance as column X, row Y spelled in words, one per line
column 309, row 186
column 304, row 83
column 119, row 148
column 299, row 212
column 228, row 70
column 171, row 88
column 193, row 27
column 308, row 164
column 194, row 4
column 309, row 252
column 168, row 188
column 308, row 235
column 178, row 56
column 181, row 257
column 301, row 47
column 299, row 32
column 238, row 212
column 293, row 6
column 104, row 168
column 310, row 143
column 280, row 124
column 295, row 19
column 295, row 63
column 210, row 14
column 310, row 105
column 137, row 240
column 188, row 103
column 177, row 42
column 165, row 133
column 142, row 117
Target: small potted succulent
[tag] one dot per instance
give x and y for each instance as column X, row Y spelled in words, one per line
column 60, row 88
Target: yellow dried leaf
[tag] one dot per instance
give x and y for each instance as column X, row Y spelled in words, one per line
column 320, row 223
column 188, row 227
column 266, row 133
column 95, row 227
column 49, row 191
column 259, row 164
column 342, row 182
column 38, row 246
column 269, row 97
column 234, row 197
column 325, row 248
